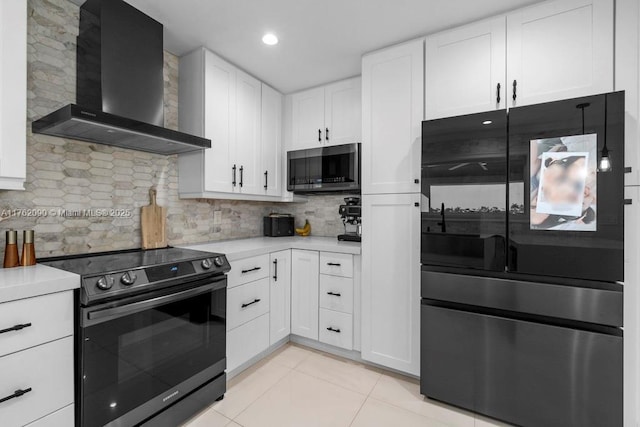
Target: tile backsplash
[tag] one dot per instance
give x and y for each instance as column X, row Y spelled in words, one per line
column 65, row 176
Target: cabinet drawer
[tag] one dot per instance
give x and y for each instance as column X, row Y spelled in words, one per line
column 336, row 264
column 336, row 293
column 246, row 341
column 248, row 269
column 247, row 302
column 50, row 317
column 336, row 328
column 47, row 370
column 61, row 418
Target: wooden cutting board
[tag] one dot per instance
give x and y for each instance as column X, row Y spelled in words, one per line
column 153, row 220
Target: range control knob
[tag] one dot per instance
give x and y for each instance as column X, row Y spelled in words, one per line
column 105, row 282
column 218, row 261
column 206, row 263
column 128, row 278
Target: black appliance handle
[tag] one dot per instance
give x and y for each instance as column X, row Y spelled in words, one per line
column 335, row 294
column 15, row 394
column 233, row 176
column 266, row 179
column 15, row 328
column 334, row 264
column 326, row 133
column 515, row 89
column 241, row 176
column 319, row 135
column 498, row 94
column 333, row 330
column 251, row 269
column 102, row 315
column 245, row 305
column 275, row 273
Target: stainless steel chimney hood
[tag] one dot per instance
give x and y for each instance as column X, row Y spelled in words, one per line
column 119, row 86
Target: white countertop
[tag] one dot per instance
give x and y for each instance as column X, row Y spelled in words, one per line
column 25, row 282
column 244, row 248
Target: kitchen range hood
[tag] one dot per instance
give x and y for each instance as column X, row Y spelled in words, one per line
column 119, row 86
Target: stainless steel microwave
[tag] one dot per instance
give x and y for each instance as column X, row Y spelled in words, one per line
column 324, row 169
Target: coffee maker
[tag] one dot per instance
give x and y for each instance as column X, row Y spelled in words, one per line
column 351, row 213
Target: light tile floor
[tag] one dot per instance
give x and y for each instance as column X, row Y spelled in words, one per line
column 300, row 387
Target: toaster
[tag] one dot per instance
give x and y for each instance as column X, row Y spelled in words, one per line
column 278, row 225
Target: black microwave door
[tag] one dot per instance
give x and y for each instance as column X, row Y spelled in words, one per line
column 464, row 176
column 566, row 218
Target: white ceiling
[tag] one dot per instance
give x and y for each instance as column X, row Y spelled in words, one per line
column 320, row 40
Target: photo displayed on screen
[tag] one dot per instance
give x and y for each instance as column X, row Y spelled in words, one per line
column 563, row 183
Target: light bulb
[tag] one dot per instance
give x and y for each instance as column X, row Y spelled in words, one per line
column 605, row 164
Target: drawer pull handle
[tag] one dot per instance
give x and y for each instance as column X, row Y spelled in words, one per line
column 250, row 270
column 15, row 328
column 335, row 294
column 333, row 330
column 333, row 264
column 245, row 305
column 15, row 394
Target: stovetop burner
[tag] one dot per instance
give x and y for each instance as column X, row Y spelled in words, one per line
column 118, row 274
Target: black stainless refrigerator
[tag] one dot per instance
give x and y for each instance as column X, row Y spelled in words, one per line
column 522, row 262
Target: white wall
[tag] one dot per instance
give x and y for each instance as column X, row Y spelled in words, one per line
column 627, row 78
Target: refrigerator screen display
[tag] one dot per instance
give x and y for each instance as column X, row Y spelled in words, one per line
column 564, row 183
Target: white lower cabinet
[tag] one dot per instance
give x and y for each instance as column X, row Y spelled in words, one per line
column 46, row 371
column 336, row 328
column 247, row 341
column 280, row 296
column 336, row 293
column 246, row 302
column 61, row 418
column 304, row 293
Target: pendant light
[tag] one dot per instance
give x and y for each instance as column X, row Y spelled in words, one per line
column 605, row 161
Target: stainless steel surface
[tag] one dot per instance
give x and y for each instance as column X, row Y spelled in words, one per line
column 525, row 373
column 603, row 307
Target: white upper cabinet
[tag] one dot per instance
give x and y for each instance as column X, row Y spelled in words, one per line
column 13, row 94
column 558, row 50
column 271, row 141
column 465, row 69
column 392, row 114
column 222, row 103
column 327, row 115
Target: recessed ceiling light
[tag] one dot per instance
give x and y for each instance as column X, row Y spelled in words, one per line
column 270, row 39
column 487, row 122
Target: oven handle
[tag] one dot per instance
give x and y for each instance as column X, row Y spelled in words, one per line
column 99, row 316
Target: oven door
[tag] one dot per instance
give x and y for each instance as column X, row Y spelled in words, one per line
column 142, row 354
column 326, row 169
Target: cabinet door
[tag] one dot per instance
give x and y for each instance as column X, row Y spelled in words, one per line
column 13, row 94
column 271, row 141
column 280, row 297
column 343, row 112
column 392, row 111
column 559, row 50
column 307, row 119
column 304, row 293
column 248, row 153
column 465, row 69
column 391, row 281
column 219, row 123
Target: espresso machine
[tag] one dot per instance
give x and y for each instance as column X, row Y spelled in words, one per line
column 351, row 213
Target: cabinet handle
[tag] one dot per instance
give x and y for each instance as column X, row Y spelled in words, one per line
column 333, row 330
column 416, row 181
column 15, row 394
column 233, row 176
column 275, row 267
column 333, row 264
column 498, row 94
column 515, row 89
column 245, row 305
column 416, row 204
column 335, row 294
column 15, row 328
column 326, row 133
column 266, row 179
column 241, row 176
column 250, row 270
column 319, row 135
